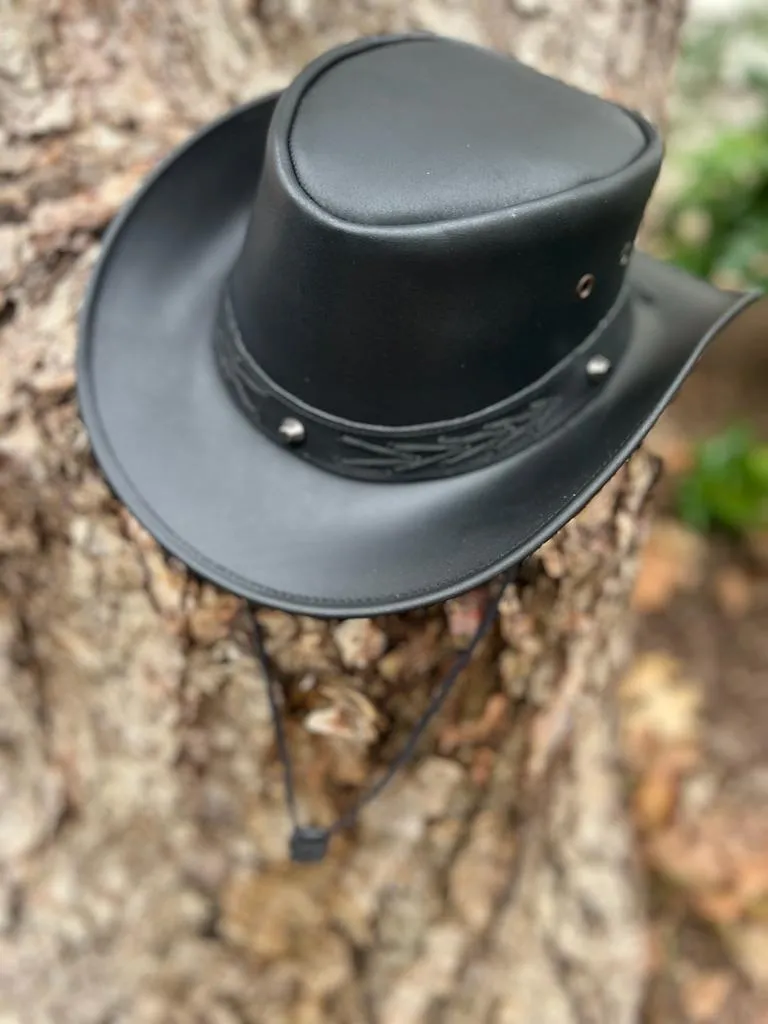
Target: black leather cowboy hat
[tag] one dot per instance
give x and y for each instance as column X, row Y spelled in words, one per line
column 362, row 346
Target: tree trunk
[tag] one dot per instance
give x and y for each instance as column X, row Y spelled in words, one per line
column 143, row 876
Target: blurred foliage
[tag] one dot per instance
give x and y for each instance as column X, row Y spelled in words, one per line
column 724, row 53
column 717, row 225
column 727, row 487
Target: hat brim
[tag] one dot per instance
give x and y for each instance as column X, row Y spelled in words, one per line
column 255, row 519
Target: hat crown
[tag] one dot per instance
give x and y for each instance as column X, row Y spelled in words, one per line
column 426, row 130
column 436, row 227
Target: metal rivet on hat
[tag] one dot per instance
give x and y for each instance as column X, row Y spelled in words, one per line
column 585, row 286
column 626, row 252
column 598, row 367
column 292, row 431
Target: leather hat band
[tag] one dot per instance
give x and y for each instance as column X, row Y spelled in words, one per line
column 429, row 451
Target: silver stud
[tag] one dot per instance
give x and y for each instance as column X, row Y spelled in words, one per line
column 626, row 253
column 585, row 286
column 292, row 431
column 598, row 367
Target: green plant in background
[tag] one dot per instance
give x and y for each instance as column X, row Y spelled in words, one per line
column 717, row 226
column 727, row 487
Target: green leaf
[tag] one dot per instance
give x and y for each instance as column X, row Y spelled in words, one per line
column 728, row 484
column 757, row 466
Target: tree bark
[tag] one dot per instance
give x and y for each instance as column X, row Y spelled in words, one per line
column 143, row 877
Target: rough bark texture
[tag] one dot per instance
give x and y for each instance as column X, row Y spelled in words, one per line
column 142, row 832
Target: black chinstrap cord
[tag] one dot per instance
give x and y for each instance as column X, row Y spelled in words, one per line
column 309, row 843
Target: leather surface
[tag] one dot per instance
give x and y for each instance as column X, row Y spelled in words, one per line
column 433, row 450
column 423, row 130
column 249, row 516
column 410, row 323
